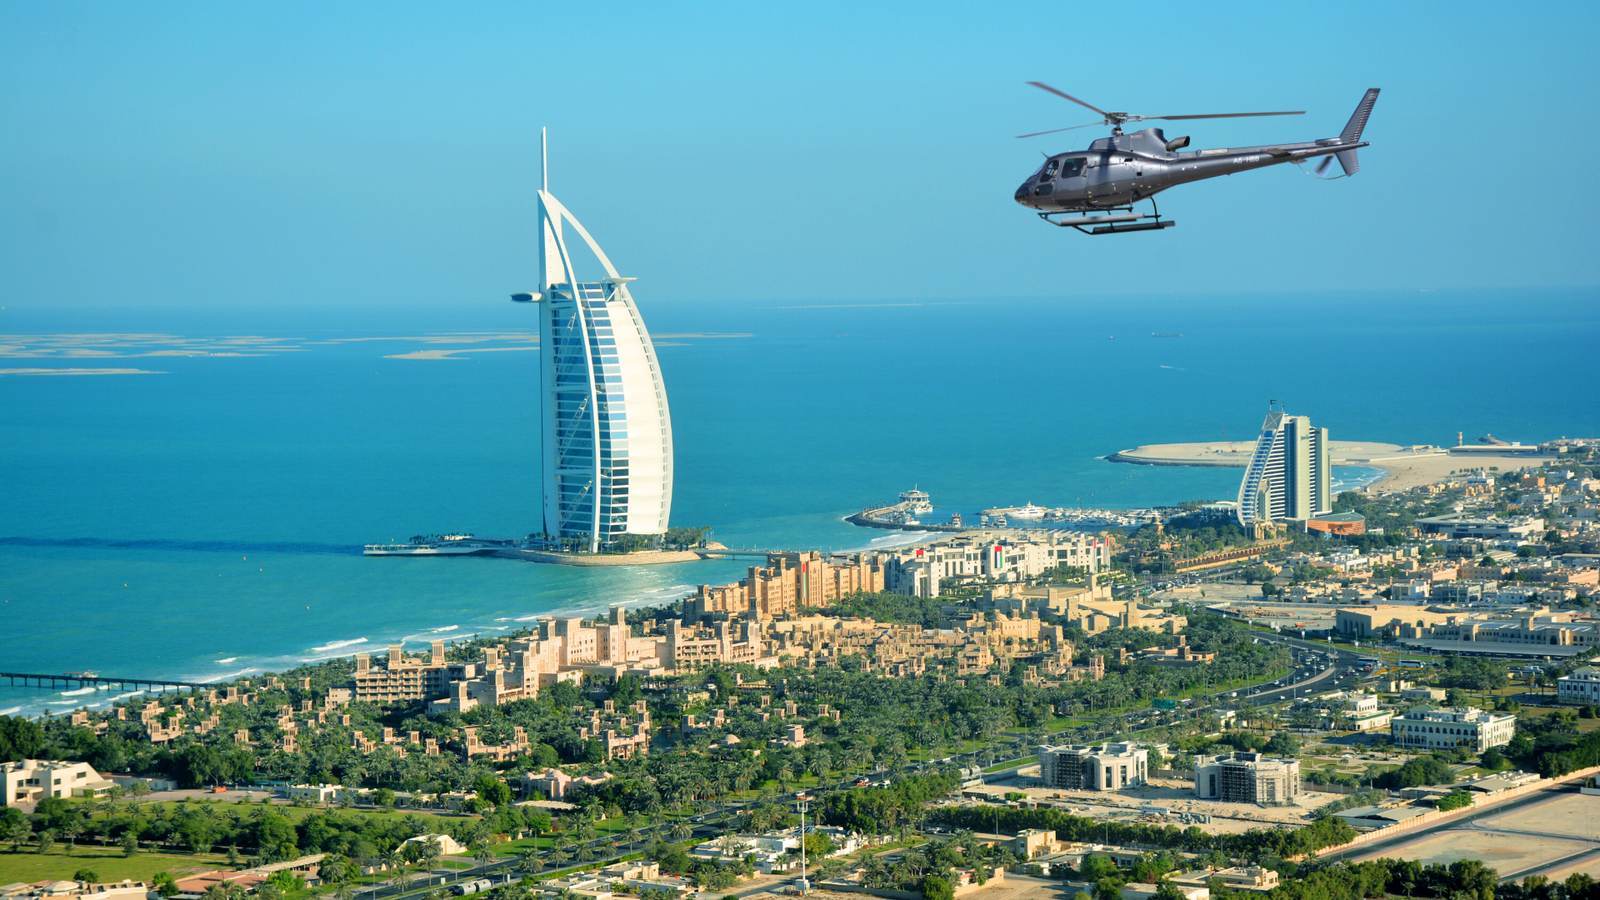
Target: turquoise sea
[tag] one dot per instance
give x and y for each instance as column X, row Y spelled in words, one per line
column 202, row 516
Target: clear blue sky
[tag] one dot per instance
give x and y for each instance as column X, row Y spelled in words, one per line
column 236, row 153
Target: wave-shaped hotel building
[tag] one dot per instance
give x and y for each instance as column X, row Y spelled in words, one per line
column 1289, row 475
column 607, row 432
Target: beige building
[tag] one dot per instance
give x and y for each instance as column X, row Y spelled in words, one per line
column 689, row 648
column 401, row 679
column 563, row 649
column 621, row 735
column 1582, row 686
column 919, row 571
column 1242, row 777
column 74, row 890
column 30, row 780
column 1460, row 726
column 1031, row 843
column 1239, row 878
column 787, row 582
column 1106, row 767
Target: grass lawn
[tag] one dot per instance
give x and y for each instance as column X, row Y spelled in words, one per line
column 1538, row 712
column 106, row 862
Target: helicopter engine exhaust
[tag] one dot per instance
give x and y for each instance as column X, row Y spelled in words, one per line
column 1177, row 143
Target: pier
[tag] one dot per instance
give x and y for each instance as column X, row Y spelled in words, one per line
column 763, row 554
column 79, row 680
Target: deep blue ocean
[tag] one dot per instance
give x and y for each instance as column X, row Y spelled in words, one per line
column 202, row 516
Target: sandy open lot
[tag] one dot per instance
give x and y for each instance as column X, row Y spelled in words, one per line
column 1508, row 854
column 1574, row 815
column 1589, row 865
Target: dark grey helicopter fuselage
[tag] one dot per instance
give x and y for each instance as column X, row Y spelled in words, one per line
column 1123, row 169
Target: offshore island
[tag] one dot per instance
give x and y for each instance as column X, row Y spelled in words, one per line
column 1405, row 467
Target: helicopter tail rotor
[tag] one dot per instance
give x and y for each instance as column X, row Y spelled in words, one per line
column 1352, row 131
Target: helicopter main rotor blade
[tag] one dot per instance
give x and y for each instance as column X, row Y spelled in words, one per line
column 1298, row 112
column 1045, row 87
column 1054, row 130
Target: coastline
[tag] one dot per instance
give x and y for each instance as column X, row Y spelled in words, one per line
column 1404, row 468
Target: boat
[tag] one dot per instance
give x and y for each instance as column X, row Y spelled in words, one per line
column 1030, row 512
column 916, row 501
column 443, row 545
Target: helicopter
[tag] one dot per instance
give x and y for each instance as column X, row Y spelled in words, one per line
column 1102, row 184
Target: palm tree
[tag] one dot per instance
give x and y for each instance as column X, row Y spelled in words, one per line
column 585, row 853
column 70, row 831
column 681, row 831
column 530, row 861
column 432, row 849
column 17, row 831
column 483, row 855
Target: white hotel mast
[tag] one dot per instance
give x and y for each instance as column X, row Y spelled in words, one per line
column 607, row 433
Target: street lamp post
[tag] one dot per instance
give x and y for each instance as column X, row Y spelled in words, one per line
column 801, row 801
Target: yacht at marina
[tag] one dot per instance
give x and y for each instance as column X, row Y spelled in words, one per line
column 1028, row 512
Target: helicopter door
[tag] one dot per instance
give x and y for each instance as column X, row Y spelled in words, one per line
column 1071, row 179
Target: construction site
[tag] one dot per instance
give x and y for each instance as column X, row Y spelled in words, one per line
column 1165, row 801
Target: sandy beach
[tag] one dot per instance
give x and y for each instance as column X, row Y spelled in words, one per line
column 1406, row 469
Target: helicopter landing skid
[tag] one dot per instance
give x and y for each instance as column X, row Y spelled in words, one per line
column 1114, row 224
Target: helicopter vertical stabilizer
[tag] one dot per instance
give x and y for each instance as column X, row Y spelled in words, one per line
column 1352, row 131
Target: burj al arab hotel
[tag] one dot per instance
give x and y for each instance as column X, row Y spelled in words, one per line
column 607, row 433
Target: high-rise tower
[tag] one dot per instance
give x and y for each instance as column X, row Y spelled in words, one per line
column 1289, row 476
column 607, row 433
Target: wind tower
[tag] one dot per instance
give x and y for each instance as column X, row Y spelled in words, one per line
column 606, row 429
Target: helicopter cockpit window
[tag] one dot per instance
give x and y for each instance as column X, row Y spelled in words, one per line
column 1049, row 170
column 1072, row 168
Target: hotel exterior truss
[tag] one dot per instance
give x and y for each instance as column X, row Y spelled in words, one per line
column 607, row 432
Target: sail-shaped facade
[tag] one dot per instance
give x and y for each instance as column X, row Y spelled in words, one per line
column 607, row 431
column 1289, row 475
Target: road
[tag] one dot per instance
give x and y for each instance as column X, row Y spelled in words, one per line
column 1315, row 674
